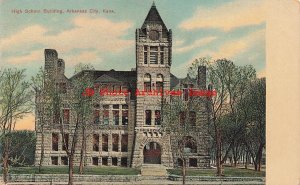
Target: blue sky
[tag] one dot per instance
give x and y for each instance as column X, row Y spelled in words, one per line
column 215, row 28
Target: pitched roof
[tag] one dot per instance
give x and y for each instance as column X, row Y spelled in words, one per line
column 109, row 76
column 153, row 17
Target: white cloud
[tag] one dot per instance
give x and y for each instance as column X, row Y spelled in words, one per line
column 196, row 44
column 232, row 48
column 178, row 42
column 229, row 16
column 27, row 58
column 100, row 34
column 85, row 57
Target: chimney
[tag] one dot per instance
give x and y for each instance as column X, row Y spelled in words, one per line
column 201, row 81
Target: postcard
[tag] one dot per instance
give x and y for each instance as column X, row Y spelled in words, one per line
column 137, row 91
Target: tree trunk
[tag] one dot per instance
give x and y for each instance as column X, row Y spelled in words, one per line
column 42, row 150
column 218, row 153
column 5, row 165
column 82, row 152
column 6, row 157
column 259, row 157
column 183, row 171
column 71, row 167
column 246, row 163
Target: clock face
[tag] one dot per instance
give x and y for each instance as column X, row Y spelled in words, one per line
column 153, row 35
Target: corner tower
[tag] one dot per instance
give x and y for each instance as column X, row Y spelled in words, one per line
column 153, row 62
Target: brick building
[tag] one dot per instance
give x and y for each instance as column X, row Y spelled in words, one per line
column 126, row 130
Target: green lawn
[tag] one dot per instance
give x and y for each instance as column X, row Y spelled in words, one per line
column 64, row 170
column 228, row 172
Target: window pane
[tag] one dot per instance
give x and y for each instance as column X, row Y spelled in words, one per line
column 115, row 138
column 66, row 140
column 157, row 117
column 181, row 117
column 125, row 117
column 105, row 117
column 66, row 116
column 124, row 143
column 192, row 115
column 148, row 117
column 54, row 142
column 105, row 142
column 147, row 86
column 159, row 86
column 96, row 116
column 116, row 117
column 95, row 142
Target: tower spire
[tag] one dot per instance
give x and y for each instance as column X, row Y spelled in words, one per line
column 153, row 4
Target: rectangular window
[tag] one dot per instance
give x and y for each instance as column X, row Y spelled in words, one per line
column 147, row 86
column 124, row 143
column 96, row 116
column 193, row 162
column 181, row 117
column 105, row 161
column 192, row 115
column 105, row 117
column 116, row 117
column 148, row 117
column 54, row 141
column 95, row 161
column 161, row 55
column 104, row 142
column 157, row 117
column 95, row 142
column 115, row 144
column 125, row 117
column 114, row 161
column 64, row 160
column 54, row 160
column 66, row 140
column 153, row 55
column 124, row 161
column 66, row 116
column 145, row 54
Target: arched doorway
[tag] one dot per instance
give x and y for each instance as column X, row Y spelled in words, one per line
column 152, row 153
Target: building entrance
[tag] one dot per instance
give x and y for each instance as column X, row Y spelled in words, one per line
column 152, row 153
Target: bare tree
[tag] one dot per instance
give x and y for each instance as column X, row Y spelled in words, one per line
column 80, row 83
column 15, row 102
column 254, row 107
column 178, row 122
column 230, row 82
column 42, row 107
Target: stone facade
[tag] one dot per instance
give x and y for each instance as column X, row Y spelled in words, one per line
column 126, row 129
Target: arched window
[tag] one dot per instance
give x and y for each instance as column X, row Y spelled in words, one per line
column 159, row 82
column 147, row 82
column 190, row 145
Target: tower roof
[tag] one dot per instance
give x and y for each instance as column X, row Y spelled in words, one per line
column 153, row 17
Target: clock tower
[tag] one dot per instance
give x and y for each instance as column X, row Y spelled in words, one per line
column 153, row 62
